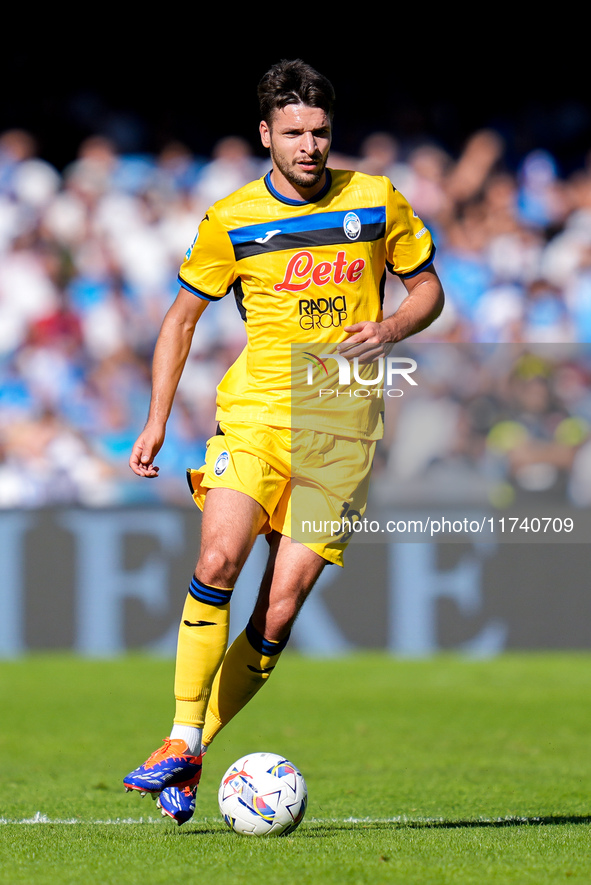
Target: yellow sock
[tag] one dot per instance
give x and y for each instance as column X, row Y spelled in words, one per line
column 202, row 642
column 247, row 665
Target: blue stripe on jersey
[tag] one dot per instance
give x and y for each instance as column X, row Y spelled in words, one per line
column 304, row 223
column 207, row 594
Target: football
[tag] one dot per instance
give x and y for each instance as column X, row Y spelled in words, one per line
column 263, row 794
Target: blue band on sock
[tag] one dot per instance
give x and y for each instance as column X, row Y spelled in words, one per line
column 264, row 646
column 207, row 594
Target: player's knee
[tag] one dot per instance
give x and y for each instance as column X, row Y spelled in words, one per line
column 217, row 568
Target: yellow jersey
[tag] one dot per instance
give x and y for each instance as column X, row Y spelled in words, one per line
column 301, row 271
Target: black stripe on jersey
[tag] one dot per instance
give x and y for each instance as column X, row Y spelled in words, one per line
column 239, row 296
column 198, row 292
column 383, row 289
column 308, row 239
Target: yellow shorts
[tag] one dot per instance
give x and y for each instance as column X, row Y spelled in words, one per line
column 311, row 485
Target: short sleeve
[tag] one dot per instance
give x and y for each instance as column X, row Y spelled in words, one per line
column 409, row 244
column 209, row 268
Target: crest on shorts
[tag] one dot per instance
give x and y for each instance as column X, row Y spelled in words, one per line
column 221, row 463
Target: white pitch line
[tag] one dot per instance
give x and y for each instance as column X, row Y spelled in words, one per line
column 40, row 818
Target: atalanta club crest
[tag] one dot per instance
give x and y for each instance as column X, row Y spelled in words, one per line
column 221, row 464
column 352, row 225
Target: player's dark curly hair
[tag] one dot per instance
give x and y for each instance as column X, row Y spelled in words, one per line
column 294, row 82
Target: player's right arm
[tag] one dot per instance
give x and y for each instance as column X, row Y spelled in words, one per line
column 170, row 355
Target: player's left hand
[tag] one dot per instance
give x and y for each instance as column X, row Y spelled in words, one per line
column 368, row 342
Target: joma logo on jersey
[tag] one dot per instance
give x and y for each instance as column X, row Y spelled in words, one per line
column 301, row 272
column 322, row 313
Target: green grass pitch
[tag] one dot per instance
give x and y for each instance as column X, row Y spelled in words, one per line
column 444, row 770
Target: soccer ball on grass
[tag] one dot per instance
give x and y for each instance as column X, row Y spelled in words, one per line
column 263, row 794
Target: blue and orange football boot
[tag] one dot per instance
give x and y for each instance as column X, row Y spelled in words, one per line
column 177, row 804
column 169, row 766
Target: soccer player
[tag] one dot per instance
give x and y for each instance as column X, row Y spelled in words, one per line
column 305, row 250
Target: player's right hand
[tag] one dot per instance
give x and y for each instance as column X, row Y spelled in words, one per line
column 146, row 447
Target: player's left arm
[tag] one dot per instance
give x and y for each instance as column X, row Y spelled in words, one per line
column 424, row 302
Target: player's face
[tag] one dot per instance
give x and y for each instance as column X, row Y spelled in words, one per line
column 299, row 141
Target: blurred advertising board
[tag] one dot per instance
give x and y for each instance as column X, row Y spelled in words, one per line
column 101, row 582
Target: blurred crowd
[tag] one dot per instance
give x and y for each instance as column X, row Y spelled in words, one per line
column 89, row 256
